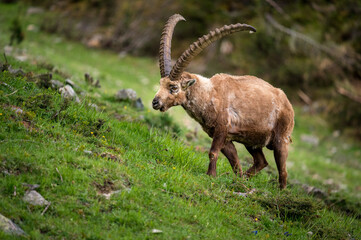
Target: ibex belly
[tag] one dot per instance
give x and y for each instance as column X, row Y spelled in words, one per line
column 250, row 129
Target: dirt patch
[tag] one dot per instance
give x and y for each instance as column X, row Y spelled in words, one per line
column 110, row 156
column 106, row 187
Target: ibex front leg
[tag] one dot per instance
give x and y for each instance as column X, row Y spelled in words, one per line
column 230, row 152
column 218, row 142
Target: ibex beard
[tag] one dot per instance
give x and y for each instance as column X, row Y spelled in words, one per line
column 242, row 109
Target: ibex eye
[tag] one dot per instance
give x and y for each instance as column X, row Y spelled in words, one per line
column 173, row 88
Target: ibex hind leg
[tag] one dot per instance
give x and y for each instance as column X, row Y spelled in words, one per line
column 259, row 161
column 229, row 150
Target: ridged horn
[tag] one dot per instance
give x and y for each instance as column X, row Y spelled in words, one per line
column 165, row 60
column 203, row 42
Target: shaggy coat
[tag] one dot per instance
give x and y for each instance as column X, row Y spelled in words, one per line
column 242, row 109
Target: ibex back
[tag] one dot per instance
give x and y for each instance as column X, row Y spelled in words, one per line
column 242, row 109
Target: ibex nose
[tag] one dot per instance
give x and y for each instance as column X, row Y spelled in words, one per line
column 155, row 103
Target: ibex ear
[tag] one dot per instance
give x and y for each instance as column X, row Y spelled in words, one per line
column 186, row 84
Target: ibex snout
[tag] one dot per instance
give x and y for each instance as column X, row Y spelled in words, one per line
column 156, row 103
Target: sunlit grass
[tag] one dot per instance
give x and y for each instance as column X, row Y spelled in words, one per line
column 162, row 180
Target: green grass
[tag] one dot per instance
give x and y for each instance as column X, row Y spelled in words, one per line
column 162, row 179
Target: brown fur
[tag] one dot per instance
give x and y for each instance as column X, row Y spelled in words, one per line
column 242, row 109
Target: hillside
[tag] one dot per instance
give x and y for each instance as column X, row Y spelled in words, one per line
column 117, row 172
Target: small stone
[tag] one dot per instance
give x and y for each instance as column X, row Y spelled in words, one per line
column 32, row 28
column 7, row 226
column 16, row 72
column 21, row 58
column 88, row 152
column 139, row 104
column 93, row 105
column 108, row 195
column 156, row 230
column 310, row 139
column 95, row 41
column 336, row 133
column 56, row 84
column 8, row 50
column 34, row 198
column 70, row 82
column 226, row 47
column 245, row 194
column 68, row 92
column 17, row 110
column 34, row 10
column 126, row 94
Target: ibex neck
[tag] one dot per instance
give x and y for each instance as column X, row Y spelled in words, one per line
column 199, row 104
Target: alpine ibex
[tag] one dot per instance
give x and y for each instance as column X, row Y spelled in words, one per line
column 242, row 109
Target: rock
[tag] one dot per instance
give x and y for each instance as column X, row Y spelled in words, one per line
column 68, row 92
column 34, row 198
column 32, row 28
column 9, row 227
column 333, row 150
column 93, row 105
column 139, row 104
column 70, row 82
column 56, row 84
column 126, row 94
column 34, row 10
column 310, row 139
column 316, row 192
column 88, row 152
column 156, row 230
column 245, row 194
column 17, row 110
column 122, row 54
column 16, row 72
column 95, row 41
column 108, row 195
column 226, row 47
column 336, row 133
column 8, row 50
column 21, row 58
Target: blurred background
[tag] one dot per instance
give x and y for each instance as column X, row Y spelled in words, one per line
column 311, row 49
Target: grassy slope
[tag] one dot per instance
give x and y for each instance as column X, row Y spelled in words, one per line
column 169, row 190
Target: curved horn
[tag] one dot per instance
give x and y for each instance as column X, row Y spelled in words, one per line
column 165, row 60
column 203, row 42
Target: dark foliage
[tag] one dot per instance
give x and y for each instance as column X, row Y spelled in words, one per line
column 308, row 45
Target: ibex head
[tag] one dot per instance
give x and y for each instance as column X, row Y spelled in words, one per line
column 173, row 83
